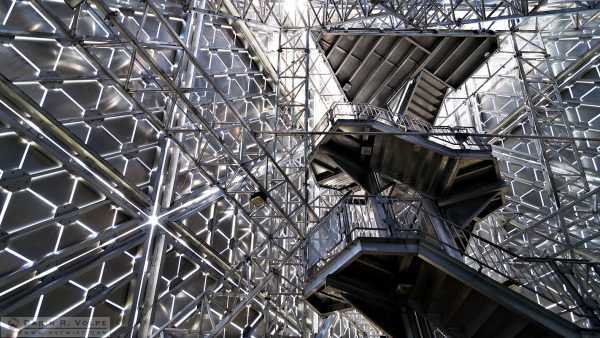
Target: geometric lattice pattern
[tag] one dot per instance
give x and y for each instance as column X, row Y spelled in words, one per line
column 153, row 154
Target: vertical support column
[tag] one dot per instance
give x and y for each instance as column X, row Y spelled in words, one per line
column 562, row 168
column 293, row 114
column 278, row 89
column 306, row 119
column 270, row 289
column 325, row 327
column 383, row 217
column 304, row 327
column 155, row 262
column 168, row 168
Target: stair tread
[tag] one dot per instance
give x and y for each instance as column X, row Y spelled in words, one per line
column 437, row 289
column 513, row 328
column 498, row 320
column 457, row 302
column 425, row 279
column 447, row 297
column 483, row 313
column 467, row 310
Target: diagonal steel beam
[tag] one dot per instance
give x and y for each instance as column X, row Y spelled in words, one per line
column 190, row 106
column 77, row 266
column 274, row 272
column 63, row 145
column 552, row 215
column 227, row 100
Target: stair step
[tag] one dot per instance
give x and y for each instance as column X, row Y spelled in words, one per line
column 384, row 284
column 437, row 174
column 425, row 279
column 482, row 314
column 447, row 179
column 447, row 297
column 436, row 291
column 410, row 173
column 477, row 169
column 406, row 274
column 459, row 299
column 467, row 310
column 499, row 320
column 373, row 265
column 424, row 161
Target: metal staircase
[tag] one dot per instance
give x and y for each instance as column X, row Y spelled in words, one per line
column 412, row 265
column 409, row 280
column 369, row 147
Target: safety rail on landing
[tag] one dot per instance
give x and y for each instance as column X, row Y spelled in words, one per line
column 570, row 288
column 451, row 137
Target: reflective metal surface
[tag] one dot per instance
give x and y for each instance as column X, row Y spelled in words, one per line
column 133, row 135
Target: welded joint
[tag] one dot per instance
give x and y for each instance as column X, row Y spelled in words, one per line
column 95, row 291
column 15, row 180
column 129, row 150
column 93, row 118
column 109, row 16
column 64, row 210
column 50, row 79
column 175, row 282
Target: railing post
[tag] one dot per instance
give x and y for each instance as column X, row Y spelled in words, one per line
column 346, row 223
column 448, row 244
column 379, row 214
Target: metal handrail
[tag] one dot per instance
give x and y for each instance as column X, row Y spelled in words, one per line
column 452, row 137
column 569, row 288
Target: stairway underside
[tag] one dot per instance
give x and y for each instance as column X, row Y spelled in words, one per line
column 388, row 280
column 372, row 68
column 465, row 183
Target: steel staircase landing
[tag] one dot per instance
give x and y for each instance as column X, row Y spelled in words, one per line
column 400, row 284
column 465, row 183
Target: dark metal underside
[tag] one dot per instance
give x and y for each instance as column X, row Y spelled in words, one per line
column 373, row 68
column 399, row 275
column 465, row 183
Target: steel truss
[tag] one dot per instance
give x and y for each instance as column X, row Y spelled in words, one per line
column 397, row 14
column 165, row 88
column 143, row 140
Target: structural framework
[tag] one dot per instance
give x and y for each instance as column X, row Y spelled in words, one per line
column 154, row 154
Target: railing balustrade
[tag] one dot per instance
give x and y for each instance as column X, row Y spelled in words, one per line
column 452, row 137
column 566, row 287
